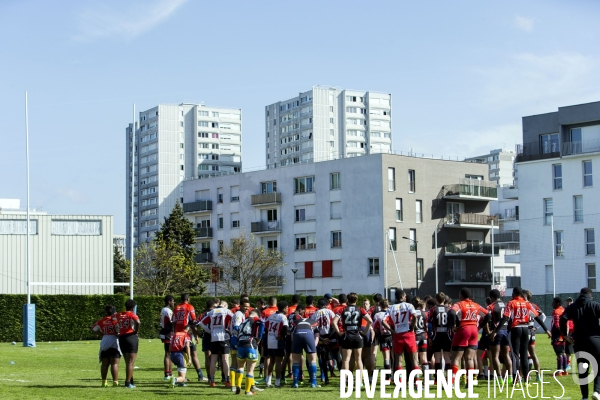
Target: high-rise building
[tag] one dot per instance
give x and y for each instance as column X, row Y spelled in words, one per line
column 173, row 143
column 558, row 199
column 327, row 123
column 500, row 165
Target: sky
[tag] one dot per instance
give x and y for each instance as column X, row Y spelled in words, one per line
column 462, row 75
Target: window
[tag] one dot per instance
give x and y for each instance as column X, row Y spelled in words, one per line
column 419, row 211
column 272, row 215
column 591, row 276
column 457, row 270
column 18, row 227
column 578, row 208
column 203, row 123
column 391, row 179
column 374, row 266
column 549, row 143
column 304, row 242
column 557, row 175
column 477, row 292
column 587, row 173
column 559, row 238
column 300, row 214
column 412, row 246
column 215, row 146
column 76, row 228
column 420, row 270
column 331, row 120
column 235, row 223
column 392, row 239
column 203, row 113
column 336, row 239
column 271, row 244
column 335, row 180
column 220, row 247
column 214, row 124
column 399, row 210
column 411, row 181
column 590, row 242
column 351, row 98
column 548, row 207
column 549, row 279
column 220, row 221
column 268, row 187
column 304, row 184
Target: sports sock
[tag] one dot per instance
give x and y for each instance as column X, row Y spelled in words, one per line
column 232, row 375
column 296, row 372
column 485, row 370
column 199, row 371
column 312, row 372
column 104, row 381
column 211, row 378
column 268, row 380
column 239, row 376
column 249, row 382
column 386, row 364
column 277, row 381
column 438, row 366
column 454, row 369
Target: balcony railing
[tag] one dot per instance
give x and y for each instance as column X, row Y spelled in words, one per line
column 199, row 205
column 472, row 188
column 460, row 275
column 266, row 198
column 582, row 147
column 513, row 281
column 203, row 258
column 505, row 237
column 510, row 214
column 467, row 219
column 204, row 232
column 471, row 248
column 537, row 151
column 265, row 226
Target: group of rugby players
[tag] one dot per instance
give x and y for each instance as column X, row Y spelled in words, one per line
column 338, row 333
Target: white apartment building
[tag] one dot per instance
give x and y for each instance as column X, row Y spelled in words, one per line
column 500, row 165
column 343, row 224
column 558, row 215
column 326, row 123
column 63, row 248
column 173, row 143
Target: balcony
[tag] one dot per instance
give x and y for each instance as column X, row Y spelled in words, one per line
column 203, row 258
column 581, row 147
column 265, row 199
column 471, row 249
column 468, row 220
column 506, row 237
column 204, row 233
column 510, row 214
column 512, row 254
column 265, row 227
column 510, row 192
column 513, row 281
column 460, row 277
column 471, row 189
column 198, row 206
column 537, row 151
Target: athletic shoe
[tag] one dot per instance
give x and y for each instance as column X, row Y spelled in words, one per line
column 238, row 390
column 104, row 384
column 294, row 386
column 559, row 374
column 212, row 384
column 333, row 375
column 228, row 384
column 249, row 394
column 596, row 396
column 130, row 386
column 262, row 381
column 290, row 376
column 565, row 373
column 313, row 386
column 173, row 381
column 115, row 384
column 233, row 388
column 568, row 368
column 167, row 378
column 276, row 385
column 537, row 378
column 256, row 389
column 202, row 379
column 181, row 384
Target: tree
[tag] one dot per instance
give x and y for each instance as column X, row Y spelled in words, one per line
column 120, row 270
column 166, row 264
column 247, row 267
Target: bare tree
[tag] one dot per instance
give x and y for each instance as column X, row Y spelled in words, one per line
column 247, row 267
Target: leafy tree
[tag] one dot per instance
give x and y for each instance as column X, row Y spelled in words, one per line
column 248, row 267
column 120, row 270
column 166, row 264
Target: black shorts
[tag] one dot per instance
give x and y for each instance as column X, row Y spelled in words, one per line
column 288, row 344
column 385, row 342
column 501, row 338
column 219, row 348
column 367, row 339
column 352, row 341
column 559, row 348
column 569, row 349
column 129, row 343
column 264, row 346
column 110, row 353
column 276, row 352
column 441, row 342
column 206, row 341
column 303, row 340
column 421, row 340
column 484, row 343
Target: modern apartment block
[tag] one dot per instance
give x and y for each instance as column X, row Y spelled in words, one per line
column 558, row 214
column 327, row 123
column 63, row 249
column 343, row 224
column 173, row 143
column 500, row 165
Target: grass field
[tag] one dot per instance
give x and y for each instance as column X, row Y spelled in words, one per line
column 62, row 370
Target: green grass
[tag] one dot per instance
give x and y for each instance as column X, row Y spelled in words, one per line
column 61, row 370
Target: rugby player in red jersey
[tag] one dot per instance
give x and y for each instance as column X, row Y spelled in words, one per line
column 180, row 348
column 109, row 347
column 129, row 325
column 185, row 314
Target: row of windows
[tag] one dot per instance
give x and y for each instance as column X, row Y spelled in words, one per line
column 411, row 239
column 577, row 209
column 590, row 277
column 392, row 180
column 418, row 211
column 589, row 239
column 587, row 177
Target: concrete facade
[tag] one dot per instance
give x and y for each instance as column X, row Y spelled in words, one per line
column 500, row 165
column 177, row 142
column 340, row 233
column 63, row 248
column 558, row 199
column 327, row 123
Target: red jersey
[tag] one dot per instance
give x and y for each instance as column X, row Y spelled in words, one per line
column 235, row 309
column 309, row 311
column 183, row 315
column 179, row 340
column 107, row 325
column 267, row 312
column 292, row 309
column 468, row 312
column 128, row 322
column 556, row 314
column 337, row 310
column 519, row 311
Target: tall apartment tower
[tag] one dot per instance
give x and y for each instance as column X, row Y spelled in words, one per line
column 327, row 123
column 500, row 164
column 174, row 143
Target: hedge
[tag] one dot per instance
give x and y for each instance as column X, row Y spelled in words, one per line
column 69, row 317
